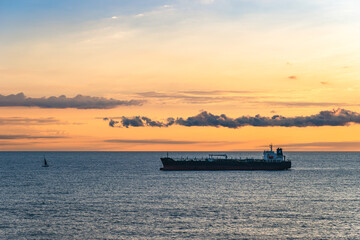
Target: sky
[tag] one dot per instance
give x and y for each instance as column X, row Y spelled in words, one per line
column 200, row 75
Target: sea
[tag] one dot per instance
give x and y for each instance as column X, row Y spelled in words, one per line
column 124, row 195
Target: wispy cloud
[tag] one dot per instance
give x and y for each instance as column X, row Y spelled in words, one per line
column 338, row 117
column 215, row 92
column 29, row 121
column 223, row 96
column 207, row 1
column 200, row 97
column 335, row 145
column 79, row 102
column 29, row 137
column 300, row 103
column 11, row 143
column 179, row 96
column 160, row 141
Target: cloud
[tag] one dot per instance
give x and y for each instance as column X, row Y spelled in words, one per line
column 203, row 97
column 150, row 141
column 215, row 92
column 299, row 104
column 29, row 121
column 29, row 137
column 346, row 144
column 152, row 123
column 292, row 77
column 177, row 96
column 207, row 1
column 112, row 123
column 9, row 143
column 220, row 96
column 135, row 122
column 336, row 117
column 159, row 141
column 79, row 102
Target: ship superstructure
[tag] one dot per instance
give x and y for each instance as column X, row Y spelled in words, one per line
column 272, row 156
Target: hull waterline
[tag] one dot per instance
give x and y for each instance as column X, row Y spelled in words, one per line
column 172, row 165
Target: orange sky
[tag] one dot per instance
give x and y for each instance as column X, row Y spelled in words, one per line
column 179, row 58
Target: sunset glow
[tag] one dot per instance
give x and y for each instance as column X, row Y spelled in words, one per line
column 67, row 65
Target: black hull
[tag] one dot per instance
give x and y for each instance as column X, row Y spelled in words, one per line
column 218, row 165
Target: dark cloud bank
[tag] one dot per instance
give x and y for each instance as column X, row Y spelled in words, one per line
column 79, row 102
column 338, row 117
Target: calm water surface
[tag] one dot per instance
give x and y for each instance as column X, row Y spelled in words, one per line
column 123, row 195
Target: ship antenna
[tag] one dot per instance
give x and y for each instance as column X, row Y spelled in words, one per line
column 271, row 147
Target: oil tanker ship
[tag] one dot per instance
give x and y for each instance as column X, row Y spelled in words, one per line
column 271, row 161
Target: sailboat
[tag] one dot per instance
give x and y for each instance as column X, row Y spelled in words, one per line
column 45, row 163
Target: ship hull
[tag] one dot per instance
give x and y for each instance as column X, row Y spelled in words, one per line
column 173, row 165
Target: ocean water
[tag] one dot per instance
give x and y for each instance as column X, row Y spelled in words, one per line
column 124, row 195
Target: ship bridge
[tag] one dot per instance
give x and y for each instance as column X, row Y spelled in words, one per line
column 272, row 156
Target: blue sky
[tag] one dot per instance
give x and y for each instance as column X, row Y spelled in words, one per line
column 24, row 19
column 25, row 13
column 18, row 15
